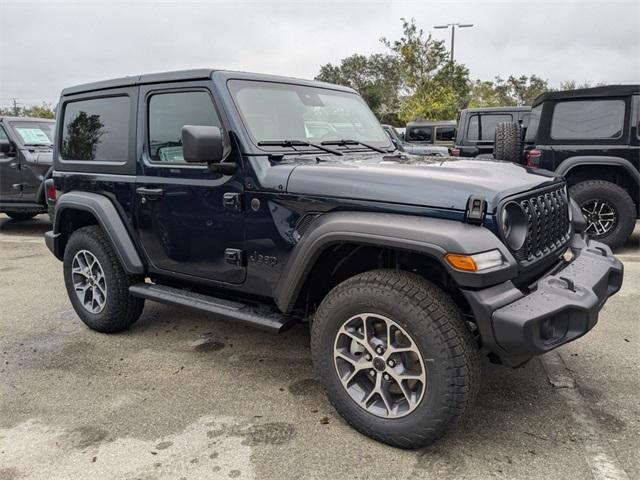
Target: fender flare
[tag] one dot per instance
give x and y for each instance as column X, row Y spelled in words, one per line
column 432, row 237
column 105, row 212
column 572, row 162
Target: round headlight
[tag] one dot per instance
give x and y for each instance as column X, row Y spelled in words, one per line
column 513, row 222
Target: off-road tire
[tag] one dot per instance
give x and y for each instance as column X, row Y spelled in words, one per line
column 121, row 309
column 626, row 211
column 508, row 142
column 20, row 216
column 446, row 345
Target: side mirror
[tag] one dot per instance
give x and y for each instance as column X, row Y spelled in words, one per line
column 5, row 146
column 202, row 144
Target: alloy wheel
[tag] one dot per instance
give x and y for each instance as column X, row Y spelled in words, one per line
column 601, row 217
column 379, row 365
column 89, row 281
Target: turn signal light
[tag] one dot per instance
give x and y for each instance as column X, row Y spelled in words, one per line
column 461, row 262
column 476, row 262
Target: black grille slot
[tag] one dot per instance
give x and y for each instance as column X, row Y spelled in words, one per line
column 548, row 228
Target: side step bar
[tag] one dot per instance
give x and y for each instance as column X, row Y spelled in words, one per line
column 241, row 313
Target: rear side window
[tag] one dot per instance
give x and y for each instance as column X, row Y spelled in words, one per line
column 419, row 134
column 532, row 127
column 588, row 119
column 445, row 134
column 168, row 113
column 483, row 127
column 96, row 130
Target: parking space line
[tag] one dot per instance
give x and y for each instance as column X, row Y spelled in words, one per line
column 598, row 453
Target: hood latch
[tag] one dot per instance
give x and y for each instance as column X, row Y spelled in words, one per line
column 476, row 208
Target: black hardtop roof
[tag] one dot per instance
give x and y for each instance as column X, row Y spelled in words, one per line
column 25, row 119
column 606, row 91
column 431, row 123
column 187, row 75
column 497, row 109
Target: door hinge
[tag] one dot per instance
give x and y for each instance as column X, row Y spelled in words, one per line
column 234, row 256
column 232, row 200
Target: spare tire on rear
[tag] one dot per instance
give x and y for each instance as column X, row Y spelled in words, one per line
column 508, row 143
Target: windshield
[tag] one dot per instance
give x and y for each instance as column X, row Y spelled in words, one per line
column 277, row 111
column 34, row 133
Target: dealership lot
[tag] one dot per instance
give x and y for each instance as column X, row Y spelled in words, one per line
column 182, row 395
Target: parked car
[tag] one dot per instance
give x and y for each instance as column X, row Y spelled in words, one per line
column 414, row 148
column 25, row 163
column 431, row 133
column 408, row 269
column 477, row 126
column 591, row 136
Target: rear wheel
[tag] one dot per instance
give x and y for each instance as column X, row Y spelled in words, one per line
column 20, row 216
column 97, row 285
column 508, row 143
column 608, row 209
column 395, row 357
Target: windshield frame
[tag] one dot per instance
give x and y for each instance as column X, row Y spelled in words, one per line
column 14, row 124
column 301, row 149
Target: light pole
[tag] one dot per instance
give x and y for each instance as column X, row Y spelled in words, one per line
column 453, row 32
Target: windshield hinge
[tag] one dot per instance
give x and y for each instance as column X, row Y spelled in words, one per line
column 476, row 208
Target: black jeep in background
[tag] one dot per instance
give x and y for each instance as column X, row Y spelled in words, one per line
column 477, row 126
column 25, row 163
column 591, row 136
column 439, row 132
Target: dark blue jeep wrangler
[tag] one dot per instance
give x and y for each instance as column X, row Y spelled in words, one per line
column 267, row 201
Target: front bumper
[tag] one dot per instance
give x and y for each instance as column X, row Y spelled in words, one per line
column 559, row 308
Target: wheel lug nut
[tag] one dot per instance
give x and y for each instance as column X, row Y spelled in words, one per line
column 379, row 350
column 372, row 373
column 391, row 363
column 367, row 357
column 387, row 377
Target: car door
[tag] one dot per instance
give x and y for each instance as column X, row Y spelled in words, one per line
column 10, row 174
column 189, row 219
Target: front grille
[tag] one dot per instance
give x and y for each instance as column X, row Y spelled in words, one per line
column 548, row 226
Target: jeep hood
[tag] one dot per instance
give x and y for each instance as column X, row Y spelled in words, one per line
column 423, row 181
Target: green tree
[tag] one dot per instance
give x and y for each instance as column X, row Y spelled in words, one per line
column 433, row 87
column 514, row 91
column 44, row 110
column 376, row 77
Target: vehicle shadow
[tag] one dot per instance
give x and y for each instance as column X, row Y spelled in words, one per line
column 30, row 228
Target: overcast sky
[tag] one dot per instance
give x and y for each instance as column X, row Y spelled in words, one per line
column 47, row 45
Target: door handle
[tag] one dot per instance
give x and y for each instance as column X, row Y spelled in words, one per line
column 150, row 193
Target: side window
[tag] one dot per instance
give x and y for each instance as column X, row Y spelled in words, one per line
column 420, row 134
column 445, row 134
column 96, row 130
column 473, row 131
column 3, row 134
column 588, row 119
column 532, row 127
column 168, row 113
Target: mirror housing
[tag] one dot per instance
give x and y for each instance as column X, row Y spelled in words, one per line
column 202, row 144
column 5, row 146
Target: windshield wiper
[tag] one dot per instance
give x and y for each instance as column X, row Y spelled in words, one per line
column 297, row 143
column 346, row 141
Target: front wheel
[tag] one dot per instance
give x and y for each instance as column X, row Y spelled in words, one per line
column 97, row 285
column 395, row 357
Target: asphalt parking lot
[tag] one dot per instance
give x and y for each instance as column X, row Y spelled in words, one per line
column 182, row 395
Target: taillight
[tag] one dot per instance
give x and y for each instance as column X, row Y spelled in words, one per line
column 455, row 152
column 533, row 158
column 51, row 192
